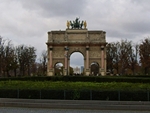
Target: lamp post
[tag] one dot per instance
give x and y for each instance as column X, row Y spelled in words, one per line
column 67, row 56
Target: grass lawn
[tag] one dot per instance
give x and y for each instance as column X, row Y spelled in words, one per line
column 61, row 85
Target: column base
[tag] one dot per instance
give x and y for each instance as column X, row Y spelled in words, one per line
column 65, row 72
column 87, row 72
column 103, row 72
column 50, row 73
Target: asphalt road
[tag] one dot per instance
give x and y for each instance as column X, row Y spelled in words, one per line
column 75, row 104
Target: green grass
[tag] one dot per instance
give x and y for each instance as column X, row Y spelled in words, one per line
column 61, row 85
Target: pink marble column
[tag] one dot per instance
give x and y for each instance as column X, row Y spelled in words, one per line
column 68, row 65
column 87, row 57
column 50, row 59
column 102, row 57
column 66, row 59
column 66, row 52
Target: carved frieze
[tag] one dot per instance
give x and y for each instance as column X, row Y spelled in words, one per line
column 97, row 37
column 95, row 52
column 58, row 52
column 77, row 49
column 77, row 37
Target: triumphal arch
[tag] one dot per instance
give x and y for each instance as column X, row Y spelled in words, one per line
column 77, row 38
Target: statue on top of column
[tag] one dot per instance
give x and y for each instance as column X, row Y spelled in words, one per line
column 76, row 24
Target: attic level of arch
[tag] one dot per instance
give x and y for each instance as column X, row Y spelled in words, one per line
column 71, row 36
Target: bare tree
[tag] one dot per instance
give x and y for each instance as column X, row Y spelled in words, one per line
column 42, row 66
column 15, row 64
column 120, row 56
column 8, row 57
column 111, row 55
column 44, row 61
column 26, row 57
column 133, row 58
column 125, row 49
column 144, row 52
column 21, row 59
column 31, row 57
column 2, row 42
column 116, row 59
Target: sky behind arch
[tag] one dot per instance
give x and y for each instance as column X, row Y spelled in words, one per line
column 28, row 21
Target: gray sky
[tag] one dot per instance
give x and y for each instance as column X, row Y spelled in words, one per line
column 28, row 21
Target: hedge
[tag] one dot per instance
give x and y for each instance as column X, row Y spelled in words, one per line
column 83, row 79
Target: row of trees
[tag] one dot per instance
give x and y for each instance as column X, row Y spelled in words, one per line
column 124, row 57
column 20, row 60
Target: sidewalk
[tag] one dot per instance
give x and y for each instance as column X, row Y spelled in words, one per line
column 75, row 104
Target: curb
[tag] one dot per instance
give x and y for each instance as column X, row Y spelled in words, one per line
column 75, row 104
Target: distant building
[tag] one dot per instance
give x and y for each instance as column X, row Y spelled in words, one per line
column 82, row 69
column 76, row 70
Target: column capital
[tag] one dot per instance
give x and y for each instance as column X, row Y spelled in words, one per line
column 87, row 47
column 51, row 47
column 66, row 48
column 102, row 47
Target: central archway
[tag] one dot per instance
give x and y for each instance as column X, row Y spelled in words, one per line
column 77, row 63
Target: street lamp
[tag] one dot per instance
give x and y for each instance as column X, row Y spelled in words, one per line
column 67, row 56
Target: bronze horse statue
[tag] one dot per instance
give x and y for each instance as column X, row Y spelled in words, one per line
column 76, row 24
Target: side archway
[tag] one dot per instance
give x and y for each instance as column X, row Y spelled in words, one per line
column 58, row 69
column 94, row 69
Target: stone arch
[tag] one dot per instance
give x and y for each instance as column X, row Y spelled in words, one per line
column 55, row 61
column 91, row 44
column 77, row 49
column 75, row 52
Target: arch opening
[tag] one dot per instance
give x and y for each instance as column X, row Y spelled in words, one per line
column 94, row 69
column 77, row 63
column 58, row 69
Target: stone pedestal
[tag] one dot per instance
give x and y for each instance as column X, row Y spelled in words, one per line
column 65, row 72
column 50, row 73
column 87, row 72
column 102, row 72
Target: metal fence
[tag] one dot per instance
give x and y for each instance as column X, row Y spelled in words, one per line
column 77, row 95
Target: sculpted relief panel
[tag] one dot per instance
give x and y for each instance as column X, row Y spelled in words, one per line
column 58, row 52
column 58, row 37
column 77, row 37
column 77, row 49
column 95, row 52
column 97, row 37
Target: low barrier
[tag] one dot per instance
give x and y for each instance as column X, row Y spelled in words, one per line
column 76, row 95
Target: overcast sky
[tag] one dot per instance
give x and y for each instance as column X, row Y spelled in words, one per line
column 28, row 21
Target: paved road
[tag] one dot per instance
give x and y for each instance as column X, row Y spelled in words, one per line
column 75, row 104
